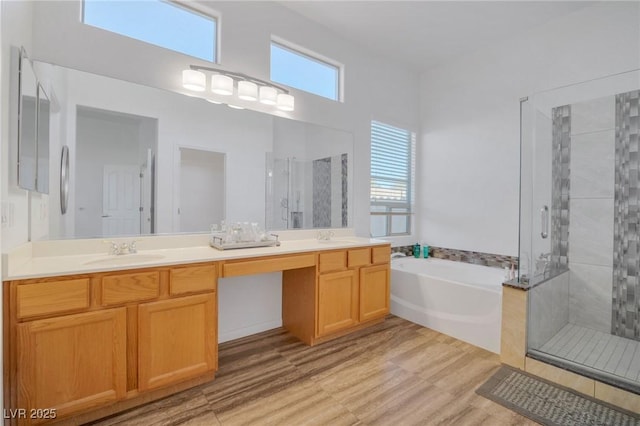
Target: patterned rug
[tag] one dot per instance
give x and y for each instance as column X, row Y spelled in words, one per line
column 550, row 404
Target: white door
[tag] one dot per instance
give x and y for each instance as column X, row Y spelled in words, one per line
column 121, row 200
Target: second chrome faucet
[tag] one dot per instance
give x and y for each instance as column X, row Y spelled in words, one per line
column 122, row 248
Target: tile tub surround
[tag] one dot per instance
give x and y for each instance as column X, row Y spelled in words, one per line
column 475, row 257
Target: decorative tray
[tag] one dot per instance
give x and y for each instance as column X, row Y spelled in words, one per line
column 217, row 242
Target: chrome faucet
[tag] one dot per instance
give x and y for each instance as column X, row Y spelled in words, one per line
column 122, row 248
column 325, row 235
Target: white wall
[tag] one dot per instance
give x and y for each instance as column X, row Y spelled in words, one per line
column 468, row 164
column 246, row 28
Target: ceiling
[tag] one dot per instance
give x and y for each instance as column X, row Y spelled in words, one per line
column 425, row 34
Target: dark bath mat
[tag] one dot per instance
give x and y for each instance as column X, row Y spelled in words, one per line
column 551, row 404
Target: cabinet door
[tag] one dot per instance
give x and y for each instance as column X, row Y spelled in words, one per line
column 177, row 340
column 374, row 292
column 72, row 363
column 337, row 301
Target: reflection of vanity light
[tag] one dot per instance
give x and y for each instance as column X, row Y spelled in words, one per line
column 285, row 102
column 213, row 101
column 235, row 106
column 268, row 95
column 247, row 88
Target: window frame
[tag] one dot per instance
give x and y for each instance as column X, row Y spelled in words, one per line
column 195, row 8
column 389, row 205
column 314, row 57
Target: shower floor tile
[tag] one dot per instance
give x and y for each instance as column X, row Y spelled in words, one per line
column 613, row 354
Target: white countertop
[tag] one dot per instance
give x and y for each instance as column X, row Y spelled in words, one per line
column 38, row 262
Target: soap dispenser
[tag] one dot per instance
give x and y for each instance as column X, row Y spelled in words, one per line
column 416, row 250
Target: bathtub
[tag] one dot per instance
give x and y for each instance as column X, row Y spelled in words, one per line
column 455, row 298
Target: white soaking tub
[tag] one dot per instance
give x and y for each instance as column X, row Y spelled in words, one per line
column 455, row 298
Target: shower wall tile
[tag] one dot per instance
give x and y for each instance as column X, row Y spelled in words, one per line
column 591, row 231
column 560, row 185
column 322, row 193
column 593, row 115
column 590, row 294
column 625, row 310
column 549, row 302
column 592, row 165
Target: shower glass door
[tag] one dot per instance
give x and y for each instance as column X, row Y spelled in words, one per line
column 580, row 227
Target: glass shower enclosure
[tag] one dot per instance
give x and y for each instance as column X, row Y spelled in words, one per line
column 580, row 227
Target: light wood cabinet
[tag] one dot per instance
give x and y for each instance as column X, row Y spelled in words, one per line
column 73, row 362
column 90, row 345
column 138, row 332
column 337, row 302
column 374, row 292
column 356, row 296
column 176, row 339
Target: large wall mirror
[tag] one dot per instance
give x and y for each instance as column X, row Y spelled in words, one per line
column 144, row 160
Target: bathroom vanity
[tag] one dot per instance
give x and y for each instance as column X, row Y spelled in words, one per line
column 113, row 332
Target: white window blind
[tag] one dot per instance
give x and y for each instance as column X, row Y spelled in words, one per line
column 392, row 179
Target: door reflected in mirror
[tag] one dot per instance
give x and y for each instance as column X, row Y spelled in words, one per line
column 202, row 183
column 114, row 167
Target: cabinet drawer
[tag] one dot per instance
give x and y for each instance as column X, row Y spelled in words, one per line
column 359, row 257
column 125, row 288
column 381, row 254
column 192, row 278
column 332, row 261
column 52, row 297
column 274, row 264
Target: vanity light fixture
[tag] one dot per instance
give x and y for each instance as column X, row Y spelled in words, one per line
column 246, row 87
column 194, row 80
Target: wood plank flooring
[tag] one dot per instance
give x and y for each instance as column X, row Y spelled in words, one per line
column 394, row 373
column 603, row 351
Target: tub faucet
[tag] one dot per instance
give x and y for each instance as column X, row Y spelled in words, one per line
column 397, row 255
column 542, row 264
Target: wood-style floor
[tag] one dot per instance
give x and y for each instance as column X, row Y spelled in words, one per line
column 394, row 373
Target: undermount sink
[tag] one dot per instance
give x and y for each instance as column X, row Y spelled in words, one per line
column 124, row 259
column 337, row 241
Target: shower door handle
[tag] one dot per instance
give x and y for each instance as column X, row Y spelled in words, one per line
column 544, row 222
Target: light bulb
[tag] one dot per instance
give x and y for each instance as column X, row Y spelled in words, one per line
column 222, row 84
column 285, row 102
column 194, row 80
column 268, row 95
column 247, row 90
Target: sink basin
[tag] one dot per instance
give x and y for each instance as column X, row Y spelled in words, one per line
column 337, row 241
column 124, row 259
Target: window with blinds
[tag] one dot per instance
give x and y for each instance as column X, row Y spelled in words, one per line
column 392, row 180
